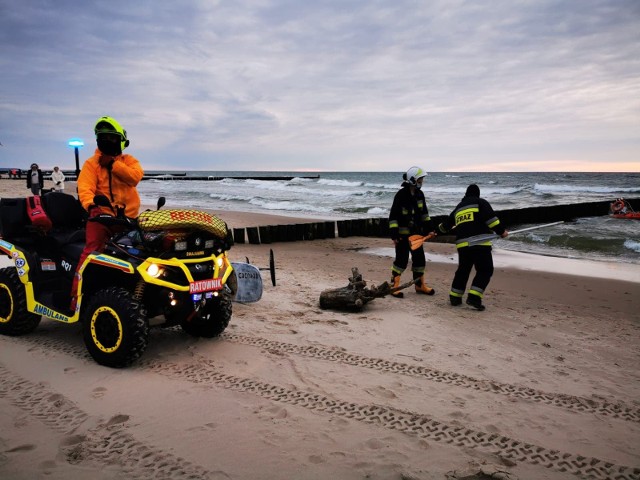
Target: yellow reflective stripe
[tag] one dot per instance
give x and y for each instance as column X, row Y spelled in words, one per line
column 404, row 231
column 455, row 294
column 466, row 244
column 393, row 224
column 494, row 223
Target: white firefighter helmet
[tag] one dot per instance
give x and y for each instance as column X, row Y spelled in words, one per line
column 413, row 175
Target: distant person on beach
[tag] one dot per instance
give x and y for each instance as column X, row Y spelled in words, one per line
column 58, row 178
column 35, row 179
column 409, row 216
column 473, row 218
column 111, row 173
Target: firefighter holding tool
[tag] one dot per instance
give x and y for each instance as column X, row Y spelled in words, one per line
column 409, row 216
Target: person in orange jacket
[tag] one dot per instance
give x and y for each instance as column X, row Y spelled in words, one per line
column 111, row 173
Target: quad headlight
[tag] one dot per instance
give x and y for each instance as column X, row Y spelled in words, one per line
column 154, row 270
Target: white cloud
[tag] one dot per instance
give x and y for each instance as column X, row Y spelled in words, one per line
column 326, row 85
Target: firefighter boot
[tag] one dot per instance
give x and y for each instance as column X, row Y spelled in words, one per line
column 395, row 280
column 475, row 302
column 421, row 286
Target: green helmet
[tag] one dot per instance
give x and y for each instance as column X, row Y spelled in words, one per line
column 110, row 125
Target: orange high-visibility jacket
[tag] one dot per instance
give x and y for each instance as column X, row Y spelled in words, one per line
column 118, row 185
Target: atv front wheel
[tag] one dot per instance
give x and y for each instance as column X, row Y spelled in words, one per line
column 211, row 320
column 14, row 318
column 115, row 327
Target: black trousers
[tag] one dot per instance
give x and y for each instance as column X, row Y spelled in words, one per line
column 418, row 261
column 468, row 257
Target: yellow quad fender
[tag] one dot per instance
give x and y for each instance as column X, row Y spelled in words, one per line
column 22, row 268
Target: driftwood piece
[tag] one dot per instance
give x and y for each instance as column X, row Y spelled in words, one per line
column 354, row 296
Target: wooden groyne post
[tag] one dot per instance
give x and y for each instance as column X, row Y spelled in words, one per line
column 379, row 227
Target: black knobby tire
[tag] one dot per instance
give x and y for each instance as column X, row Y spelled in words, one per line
column 211, row 320
column 115, row 327
column 14, row 318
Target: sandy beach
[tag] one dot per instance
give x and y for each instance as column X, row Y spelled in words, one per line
column 544, row 384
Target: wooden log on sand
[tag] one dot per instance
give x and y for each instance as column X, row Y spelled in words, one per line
column 355, row 296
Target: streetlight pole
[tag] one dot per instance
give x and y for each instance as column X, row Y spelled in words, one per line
column 76, row 143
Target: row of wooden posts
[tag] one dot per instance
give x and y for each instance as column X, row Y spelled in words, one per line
column 370, row 227
column 379, row 227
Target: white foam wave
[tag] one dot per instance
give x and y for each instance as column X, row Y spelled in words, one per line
column 301, row 180
column 229, row 197
column 339, row 183
column 288, row 206
column 291, row 188
column 484, row 191
column 384, row 186
column 632, row 245
column 378, row 211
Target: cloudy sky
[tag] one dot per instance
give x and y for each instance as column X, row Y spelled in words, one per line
column 451, row 85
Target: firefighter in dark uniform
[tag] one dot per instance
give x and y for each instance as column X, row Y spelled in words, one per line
column 409, row 216
column 473, row 219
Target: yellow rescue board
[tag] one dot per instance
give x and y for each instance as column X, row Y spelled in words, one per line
column 182, row 218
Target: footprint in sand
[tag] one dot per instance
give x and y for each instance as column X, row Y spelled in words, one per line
column 382, row 392
column 202, row 428
column 47, row 467
column 27, row 447
column 374, row 444
column 99, row 392
column 117, row 419
column 72, row 440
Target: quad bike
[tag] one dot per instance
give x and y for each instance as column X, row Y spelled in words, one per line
column 169, row 266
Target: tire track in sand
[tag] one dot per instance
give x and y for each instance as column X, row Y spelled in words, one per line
column 585, row 405
column 107, row 443
column 415, row 424
column 419, row 425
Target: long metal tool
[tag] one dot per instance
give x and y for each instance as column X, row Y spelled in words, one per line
column 492, row 236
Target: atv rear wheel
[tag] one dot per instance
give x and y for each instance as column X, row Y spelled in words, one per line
column 14, row 318
column 211, row 320
column 115, row 327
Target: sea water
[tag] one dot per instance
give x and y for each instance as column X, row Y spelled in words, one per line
column 347, row 195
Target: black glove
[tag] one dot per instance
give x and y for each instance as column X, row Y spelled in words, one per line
column 57, row 183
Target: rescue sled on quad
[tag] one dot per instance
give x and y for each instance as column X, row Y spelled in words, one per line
column 167, row 265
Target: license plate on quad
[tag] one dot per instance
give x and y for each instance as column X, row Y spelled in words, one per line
column 209, row 285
